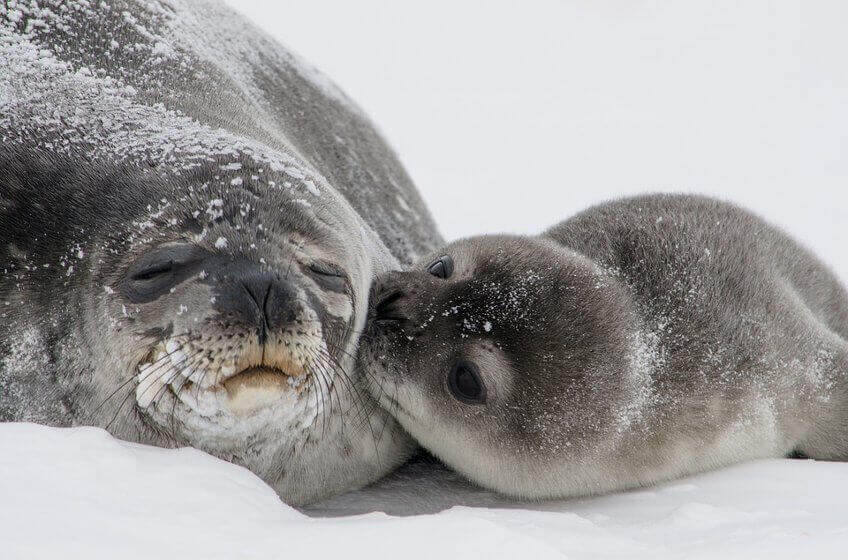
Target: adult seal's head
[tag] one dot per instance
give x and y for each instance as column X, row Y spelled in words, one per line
column 190, row 221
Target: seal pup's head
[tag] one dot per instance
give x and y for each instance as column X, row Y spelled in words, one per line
column 219, row 307
column 505, row 356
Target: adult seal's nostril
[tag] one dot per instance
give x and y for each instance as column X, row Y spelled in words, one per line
column 281, row 304
column 258, row 288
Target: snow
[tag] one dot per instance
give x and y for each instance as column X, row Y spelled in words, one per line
column 80, row 493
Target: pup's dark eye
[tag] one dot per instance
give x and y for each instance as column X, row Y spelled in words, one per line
column 328, row 276
column 441, row 267
column 465, row 383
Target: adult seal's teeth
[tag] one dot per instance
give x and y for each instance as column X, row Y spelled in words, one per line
column 172, row 346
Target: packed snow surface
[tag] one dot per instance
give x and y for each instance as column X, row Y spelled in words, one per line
column 80, row 493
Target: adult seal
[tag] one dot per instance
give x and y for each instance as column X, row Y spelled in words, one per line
column 190, row 221
column 641, row 340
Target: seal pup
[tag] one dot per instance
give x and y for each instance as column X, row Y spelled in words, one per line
column 190, row 222
column 641, row 340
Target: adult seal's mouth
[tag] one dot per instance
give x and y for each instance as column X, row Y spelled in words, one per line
column 184, row 371
column 259, row 387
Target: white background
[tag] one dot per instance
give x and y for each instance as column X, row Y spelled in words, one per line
column 510, row 116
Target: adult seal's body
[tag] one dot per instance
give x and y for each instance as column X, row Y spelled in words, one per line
column 190, row 220
column 641, row 340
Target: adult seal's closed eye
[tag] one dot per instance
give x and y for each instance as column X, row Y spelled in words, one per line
column 190, row 221
column 638, row 341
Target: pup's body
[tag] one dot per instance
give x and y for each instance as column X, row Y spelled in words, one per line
column 638, row 341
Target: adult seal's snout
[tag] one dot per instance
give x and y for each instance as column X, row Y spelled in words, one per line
column 259, row 298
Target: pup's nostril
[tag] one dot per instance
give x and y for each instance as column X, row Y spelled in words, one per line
column 389, row 298
column 386, row 308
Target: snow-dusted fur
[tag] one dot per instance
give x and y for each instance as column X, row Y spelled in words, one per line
column 641, row 340
column 174, row 130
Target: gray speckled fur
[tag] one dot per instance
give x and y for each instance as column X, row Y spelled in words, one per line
column 128, row 124
column 641, row 340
